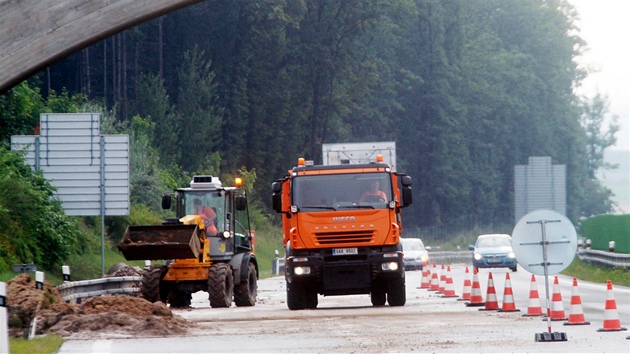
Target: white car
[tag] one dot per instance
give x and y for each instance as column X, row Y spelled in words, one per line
column 415, row 254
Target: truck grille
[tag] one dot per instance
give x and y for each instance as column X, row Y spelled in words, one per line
column 328, row 238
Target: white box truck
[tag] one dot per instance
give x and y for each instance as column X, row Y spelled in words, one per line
column 359, row 153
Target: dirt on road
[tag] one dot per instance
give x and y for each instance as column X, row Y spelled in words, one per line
column 108, row 314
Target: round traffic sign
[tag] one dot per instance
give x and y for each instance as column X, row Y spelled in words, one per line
column 544, row 239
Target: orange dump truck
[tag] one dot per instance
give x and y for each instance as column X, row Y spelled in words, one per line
column 341, row 233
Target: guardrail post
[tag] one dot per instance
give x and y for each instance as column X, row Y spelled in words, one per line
column 66, row 273
column 39, row 280
column 611, row 246
column 4, row 328
column 588, row 243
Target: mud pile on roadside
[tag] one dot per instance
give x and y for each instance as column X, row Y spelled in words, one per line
column 108, row 314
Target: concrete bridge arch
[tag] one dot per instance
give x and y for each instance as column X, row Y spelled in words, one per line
column 36, row 33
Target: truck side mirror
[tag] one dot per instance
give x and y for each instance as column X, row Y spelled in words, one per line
column 166, row 202
column 276, row 197
column 407, row 197
column 240, row 202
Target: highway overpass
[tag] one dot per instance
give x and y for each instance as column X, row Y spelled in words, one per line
column 36, row 33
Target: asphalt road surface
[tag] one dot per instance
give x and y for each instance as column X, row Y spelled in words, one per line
column 349, row 324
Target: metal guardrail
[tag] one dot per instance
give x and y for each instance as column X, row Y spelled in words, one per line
column 77, row 290
column 451, row 256
column 603, row 257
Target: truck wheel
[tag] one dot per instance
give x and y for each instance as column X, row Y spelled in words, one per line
column 396, row 295
column 310, row 298
column 220, row 285
column 150, row 284
column 245, row 292
column 377, row 295
column 179, row 299
column 295, row 296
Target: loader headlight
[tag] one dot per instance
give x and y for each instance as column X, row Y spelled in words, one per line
column 389, row 266
column 302, row 270
column 226, row 234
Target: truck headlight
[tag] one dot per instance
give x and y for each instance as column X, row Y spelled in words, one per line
column 302, row 270
column 478, row 256
column 391, row 266
column 511, row 255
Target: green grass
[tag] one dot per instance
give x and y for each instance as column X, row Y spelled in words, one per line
column 42, row 345
column 267, row 242
column 589, row 271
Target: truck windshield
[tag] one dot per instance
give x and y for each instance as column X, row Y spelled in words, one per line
column 342, row 191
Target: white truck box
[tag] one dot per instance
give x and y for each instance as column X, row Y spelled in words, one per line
column 359, row 153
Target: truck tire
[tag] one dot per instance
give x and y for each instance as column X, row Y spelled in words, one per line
column 378, row 294
column 245, row 292
column 150, row 285
column 220, row 285
column 179, row 299
column 295, row 296
column 310, row 298
column 396, row 294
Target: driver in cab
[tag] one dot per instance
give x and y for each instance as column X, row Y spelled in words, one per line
column 207, row 215
column 373, row 193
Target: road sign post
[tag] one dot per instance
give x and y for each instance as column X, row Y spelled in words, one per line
column 557, row 239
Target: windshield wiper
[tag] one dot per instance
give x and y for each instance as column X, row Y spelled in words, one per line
column 317, row 207
column 359, row 206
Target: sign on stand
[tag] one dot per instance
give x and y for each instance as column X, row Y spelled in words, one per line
column 89, row 170
column 545, row 243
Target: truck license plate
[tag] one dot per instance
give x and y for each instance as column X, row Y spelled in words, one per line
column 344, row 251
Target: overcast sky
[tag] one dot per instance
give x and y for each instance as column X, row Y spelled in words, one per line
column 605, row 26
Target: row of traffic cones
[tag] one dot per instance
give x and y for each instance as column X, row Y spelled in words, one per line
column 472, row 293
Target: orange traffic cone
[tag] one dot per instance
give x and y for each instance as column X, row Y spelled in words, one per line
column 442, row 280
column 508, row 297
column 557, row 309
column 449, row 291
column 576, row 314
column 467, row 287
column 492, row 303
column 434, row 279
column 533, row 307
column 611, row 316
column 476, row 299
column 425, row 283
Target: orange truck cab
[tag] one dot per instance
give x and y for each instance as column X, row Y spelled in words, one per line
column 340, row 239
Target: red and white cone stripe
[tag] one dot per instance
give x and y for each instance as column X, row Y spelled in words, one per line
column 434, row 279
column 491, row 296
column 611, row 316
column 533, row 306
column 425, row 283
column 449, row 290
column 476, row 299
column 576, row 313
column 556, row 312
column 467, row 287
column 508, row 296
column 442, row 283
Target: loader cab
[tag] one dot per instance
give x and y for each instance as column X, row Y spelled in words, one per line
column 230, row 206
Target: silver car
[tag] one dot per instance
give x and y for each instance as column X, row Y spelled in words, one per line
column 415, row 254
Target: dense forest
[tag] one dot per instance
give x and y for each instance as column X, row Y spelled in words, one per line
column 467, row 89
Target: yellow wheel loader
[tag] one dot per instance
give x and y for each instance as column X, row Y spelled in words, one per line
column 208, row 246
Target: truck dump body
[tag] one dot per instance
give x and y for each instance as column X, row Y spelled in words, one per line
column 160, row 242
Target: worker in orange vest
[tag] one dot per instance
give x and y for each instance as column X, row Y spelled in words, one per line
column 208, row 215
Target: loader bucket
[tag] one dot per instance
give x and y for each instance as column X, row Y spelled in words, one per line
column 160, row 242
